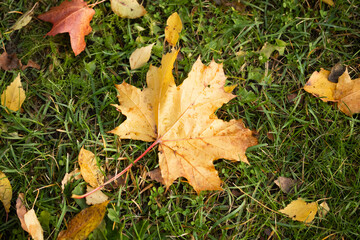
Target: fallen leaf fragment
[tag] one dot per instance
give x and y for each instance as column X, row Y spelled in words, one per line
column 323, row 209
column 31, row 64
column 155, row 175
column 140, row 56
column 5, row 191
column 14, row 95
column 285, row 184
column 95, row 198
column 24, row 19
column 346, row 92
column 301, row 211
column 89, row 169
column 9, row 61
column 33, row 225
column 73, row 17
column 84, row 222
column 75, row 174
column 173, row 29
column 329, row 2
column 127, row 8
column 181, row 118
column 21, row 210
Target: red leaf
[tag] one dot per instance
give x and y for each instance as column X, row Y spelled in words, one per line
column 73, row 17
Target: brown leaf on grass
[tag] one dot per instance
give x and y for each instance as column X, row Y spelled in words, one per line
column 173, row 29
column 155, row 175
column 29, row 221
column 127, row 8
column 346, row 92
column 31, row 64
column 84, row 222
column 73, row 17
column 89, row 169
column 5, row 191
column 9, row 61
column 21, row 210
column 181, row 118
column 14, row 95
column 301, row 211
column 285, row 184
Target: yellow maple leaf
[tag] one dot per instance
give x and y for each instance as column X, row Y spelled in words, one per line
column 89, row 169
column 173, row 28
column 301, row 211
column 84, row 222
column 346, row 91
column 5, row 191
column 14, row 95
column 182, row 120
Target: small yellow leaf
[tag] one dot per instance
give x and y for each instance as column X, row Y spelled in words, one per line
column 140, row 56
column 127, row 8
column 5, row 191
column 33, row 225
column 301, row 211
column 320, row 86
column 96, row 197
column 14, row 95
column 84, row 222
column 173, row 28
column 329, row 2
column 89, row 169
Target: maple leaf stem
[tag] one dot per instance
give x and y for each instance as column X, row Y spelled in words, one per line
column 120, row 173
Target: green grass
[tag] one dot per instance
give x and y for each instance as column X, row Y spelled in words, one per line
column 68, row 106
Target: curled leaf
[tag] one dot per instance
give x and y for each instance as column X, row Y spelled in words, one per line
column 285, row 184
